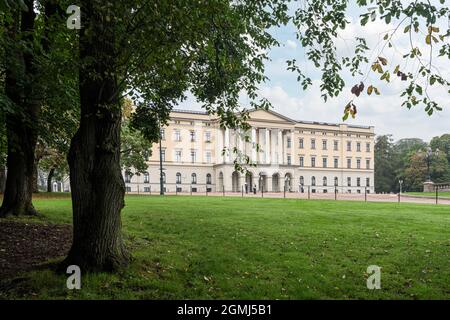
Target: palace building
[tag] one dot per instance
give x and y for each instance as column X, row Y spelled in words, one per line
column 293, row 155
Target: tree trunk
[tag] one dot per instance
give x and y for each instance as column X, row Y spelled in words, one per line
column 49, row 179
column 21, row 126
column 35, row 177
column 94, row 158
column 2, row 179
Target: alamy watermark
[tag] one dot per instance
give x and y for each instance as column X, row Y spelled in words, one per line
column 74, row 20
column 74, row 280
column 374, row 279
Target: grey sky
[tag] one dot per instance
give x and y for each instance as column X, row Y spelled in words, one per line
column 384, row 112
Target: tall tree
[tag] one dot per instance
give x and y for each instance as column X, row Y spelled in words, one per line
column 384, row 163
column 209, row 46
column 22, row 110
column 27, row 42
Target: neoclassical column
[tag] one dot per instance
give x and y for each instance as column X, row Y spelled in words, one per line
column 253, row 157
column 219, row 157
column 240, row 141
column 267, row 146
column 227, row 145
column 280, row 147
column 293, row 148
column 273, row 146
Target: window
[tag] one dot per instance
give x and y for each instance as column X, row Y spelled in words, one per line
column 147, row 189
column 289, row 159
column 324, row 144
column 146, row 155
column 162, row 133
column 367, row 182
column 127, row 177
column 358, row 182
column 208, row 178
column 178, row 155
column 177, row 135
column 178, row 178
column 302, row 180
column 349, row 163
column 313, row 162
column 336, row 145
column 194, row 178
column 368, row 147
column 193, row 156
column 336, row 181
column 349, row 146
column 300, row 143
column 163, row 155
column 146, row 177
column 349, row 182
column 367, row 163
column 288, row 142
column 313, row 181
column 358, row 146
column 192, row 135
column 325, row 181
column 313, row 144
column 336, row 163
column 301, row 161
column 324, row 162
column 208, row 157
column 358, row 163
column 208, row 136
column 128, row 188
column 164, row 177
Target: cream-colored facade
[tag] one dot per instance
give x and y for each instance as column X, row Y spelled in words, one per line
column 298, row 156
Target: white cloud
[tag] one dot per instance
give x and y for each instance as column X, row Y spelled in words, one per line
column 291, row 44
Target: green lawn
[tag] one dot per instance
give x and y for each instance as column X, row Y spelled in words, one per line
column 443, row 194
column 224, row 248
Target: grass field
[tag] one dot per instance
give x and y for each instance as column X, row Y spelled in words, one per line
column 444, row 194
column 225, row 248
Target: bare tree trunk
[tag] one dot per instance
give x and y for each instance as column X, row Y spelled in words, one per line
column 94, row 158
column 49, row 179
column 2, row 179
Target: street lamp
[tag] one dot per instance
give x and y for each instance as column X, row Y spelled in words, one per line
column 429, row 155
column 161, row 173
column 400, row 182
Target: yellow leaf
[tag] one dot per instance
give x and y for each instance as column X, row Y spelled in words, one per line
column 428, row 39
column 369, row 90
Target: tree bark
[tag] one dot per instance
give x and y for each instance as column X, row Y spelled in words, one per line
column 94, row 157
column 49, row 179
column 2, row 179
column 21, row 126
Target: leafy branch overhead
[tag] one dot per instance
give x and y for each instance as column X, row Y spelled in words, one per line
column 421, row 25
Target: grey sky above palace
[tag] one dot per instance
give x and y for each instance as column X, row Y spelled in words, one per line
column 384, row 112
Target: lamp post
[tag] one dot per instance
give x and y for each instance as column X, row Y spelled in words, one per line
column 429, row 155
column 161, row 176
column 400, row 182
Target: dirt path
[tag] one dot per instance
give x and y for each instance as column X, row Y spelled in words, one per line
column 25, row 245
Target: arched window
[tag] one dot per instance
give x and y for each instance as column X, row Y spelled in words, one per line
column 194, row 178
column 178, row 178
column 325, row 181
column 313, row 181
column 146, row 177
column 336, row 181
column 302, row 180
column 208, row 178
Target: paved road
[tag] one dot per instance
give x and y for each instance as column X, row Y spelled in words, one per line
column 331, row 196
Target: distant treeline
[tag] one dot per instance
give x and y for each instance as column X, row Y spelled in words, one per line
column 405, row 160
